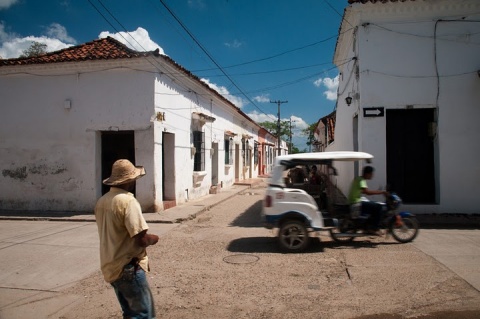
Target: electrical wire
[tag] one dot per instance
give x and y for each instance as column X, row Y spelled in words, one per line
column 278, row 54
column 297, row 80
column 341, row 16
column 209, row 55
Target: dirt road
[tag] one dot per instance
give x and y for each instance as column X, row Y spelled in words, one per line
column 223, row 264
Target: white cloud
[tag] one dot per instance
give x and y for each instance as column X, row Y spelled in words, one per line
column 138, row 40
column 331, row 84
column 5, row 4
column 264, row 98
column 262, row 117
column 238, row 101
column 13, row 45
column 298, row 124
column 59, row 32
column 235, row 44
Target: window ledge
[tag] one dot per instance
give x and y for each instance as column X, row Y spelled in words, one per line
column 198, row 178
column 200, row 173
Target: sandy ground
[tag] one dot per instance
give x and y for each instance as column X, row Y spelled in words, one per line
column 223, row 264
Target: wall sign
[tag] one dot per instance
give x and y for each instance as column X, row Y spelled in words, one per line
column 373, row 112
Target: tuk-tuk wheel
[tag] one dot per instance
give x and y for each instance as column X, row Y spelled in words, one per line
column 293, row 236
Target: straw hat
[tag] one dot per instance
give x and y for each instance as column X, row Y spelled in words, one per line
column 123, row 171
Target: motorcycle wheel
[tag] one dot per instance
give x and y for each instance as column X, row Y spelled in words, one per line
column 293, row 236
column 407, row 232
column 346, row 226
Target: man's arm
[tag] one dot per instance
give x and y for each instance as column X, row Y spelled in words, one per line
column 367, row 191
column 143, row 239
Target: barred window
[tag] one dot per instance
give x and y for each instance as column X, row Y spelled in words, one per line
column 255, row 153
column 199, row 143
column 228, row 152
column 246, row 153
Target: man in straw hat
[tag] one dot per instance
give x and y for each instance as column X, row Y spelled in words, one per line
column 123, row 241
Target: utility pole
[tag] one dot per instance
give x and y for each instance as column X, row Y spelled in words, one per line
column 278, row 102
column 290, row 145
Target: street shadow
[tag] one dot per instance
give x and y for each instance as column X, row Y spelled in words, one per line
column 46, row 214
column 266, row 245
column 250, row 217
column 449, row 221
column 253, row 245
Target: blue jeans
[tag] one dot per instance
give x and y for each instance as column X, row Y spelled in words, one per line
column 133, row 293
column 374, row 212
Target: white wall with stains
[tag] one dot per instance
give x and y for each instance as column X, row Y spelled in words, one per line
column 52, row 116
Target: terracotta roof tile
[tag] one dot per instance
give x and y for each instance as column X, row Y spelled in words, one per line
column 101, row 49
column 106, row 49
column 375, row 1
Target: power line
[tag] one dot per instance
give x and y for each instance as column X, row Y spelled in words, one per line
column 343, row 17
column 209, row 55
column 278, row 54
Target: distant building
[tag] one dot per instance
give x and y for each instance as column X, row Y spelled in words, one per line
column 409, row 93
column 324, row 133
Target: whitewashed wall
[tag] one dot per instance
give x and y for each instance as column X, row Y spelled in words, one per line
column 396, row 55
column 50, row 157
column 51, row 154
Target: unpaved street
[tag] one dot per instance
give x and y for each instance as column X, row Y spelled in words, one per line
column 223, row 264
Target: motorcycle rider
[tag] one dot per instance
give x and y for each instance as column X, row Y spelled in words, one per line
column 371, row 209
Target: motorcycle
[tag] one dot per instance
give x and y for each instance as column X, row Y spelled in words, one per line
column 402, row 226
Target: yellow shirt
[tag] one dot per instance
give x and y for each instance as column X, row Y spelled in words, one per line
column 119, row 218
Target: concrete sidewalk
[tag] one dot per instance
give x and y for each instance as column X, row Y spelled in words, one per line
column 177, row 214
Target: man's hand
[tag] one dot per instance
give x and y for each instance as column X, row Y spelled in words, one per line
column 144, row 240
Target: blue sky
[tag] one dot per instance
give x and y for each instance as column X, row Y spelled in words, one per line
column 270, row 49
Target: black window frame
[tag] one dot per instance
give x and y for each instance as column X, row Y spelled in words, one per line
column 199, row 144
column 228, row 147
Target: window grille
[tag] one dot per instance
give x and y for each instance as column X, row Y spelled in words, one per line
column 199, row 143
column 228, row 152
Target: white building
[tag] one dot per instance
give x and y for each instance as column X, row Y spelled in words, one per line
column 68, row 115
column 409, row 71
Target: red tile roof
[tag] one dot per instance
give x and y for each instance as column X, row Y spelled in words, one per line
column 106, row 49
column 101, row 49
column 375, row 1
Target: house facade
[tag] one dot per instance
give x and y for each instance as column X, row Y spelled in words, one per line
column 409, row 94
column 68, row 115
column 324, row 133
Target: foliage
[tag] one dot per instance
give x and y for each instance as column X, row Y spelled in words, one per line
column 309, row 133
column 272, row 128
column 36, row 49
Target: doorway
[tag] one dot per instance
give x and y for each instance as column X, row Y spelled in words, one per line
column 116, row 145
column 410, row 154
column 214, row 164
column 168, row 169
column 237, row 162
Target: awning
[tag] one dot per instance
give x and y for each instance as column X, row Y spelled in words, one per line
column 202, row 117
column 230, row 133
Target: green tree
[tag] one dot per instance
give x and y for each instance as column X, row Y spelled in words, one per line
column 309, row 133
column 34, row 50
column 272, row 128
column 295, row 150
column 284, row 130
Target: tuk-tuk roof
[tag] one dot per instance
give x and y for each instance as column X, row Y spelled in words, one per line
column 289, row 161
column 326, row 156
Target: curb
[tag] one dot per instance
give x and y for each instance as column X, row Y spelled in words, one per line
column 149, row 217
